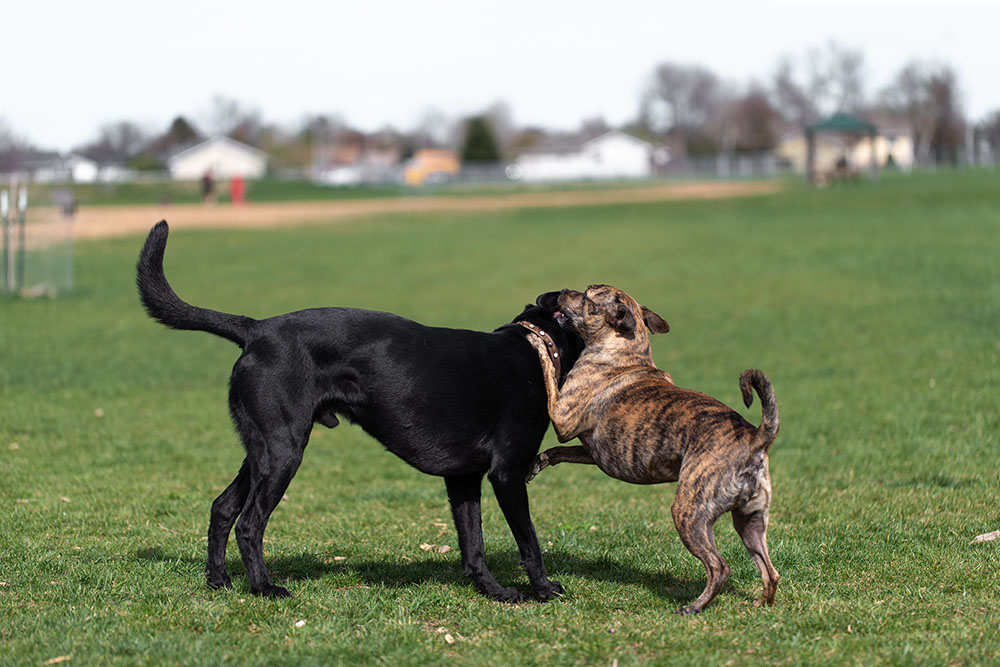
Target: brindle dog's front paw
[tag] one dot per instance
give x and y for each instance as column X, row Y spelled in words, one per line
column 540, row 463
column 688, row 610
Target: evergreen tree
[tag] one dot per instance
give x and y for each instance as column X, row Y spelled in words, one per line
column 480, row 144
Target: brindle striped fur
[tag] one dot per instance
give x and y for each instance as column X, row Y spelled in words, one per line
column 637, row 426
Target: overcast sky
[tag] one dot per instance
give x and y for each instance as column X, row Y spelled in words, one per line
column 69, row 66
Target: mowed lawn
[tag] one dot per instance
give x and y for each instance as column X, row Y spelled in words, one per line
column 875, row 311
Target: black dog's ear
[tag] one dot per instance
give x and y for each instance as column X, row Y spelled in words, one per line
column 623, row 320
column 549, row 301
column 654, row 322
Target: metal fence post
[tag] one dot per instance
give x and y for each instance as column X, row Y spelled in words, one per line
column 5, row 233
column 22, row 219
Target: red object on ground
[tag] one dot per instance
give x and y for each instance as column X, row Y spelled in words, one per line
column 237, row 190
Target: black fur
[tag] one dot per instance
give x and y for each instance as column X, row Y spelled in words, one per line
column 454, row 403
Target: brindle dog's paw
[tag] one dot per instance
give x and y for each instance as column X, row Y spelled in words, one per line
column 540, row 463
column 688, row 610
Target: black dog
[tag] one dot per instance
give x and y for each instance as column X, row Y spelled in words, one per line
column 453, row 403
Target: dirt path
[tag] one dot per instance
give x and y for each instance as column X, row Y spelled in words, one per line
column 103, row 222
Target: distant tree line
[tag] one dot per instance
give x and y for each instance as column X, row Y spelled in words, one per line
column 688, row 107
column 698, row 112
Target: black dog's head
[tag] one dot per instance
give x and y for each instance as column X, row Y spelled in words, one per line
column 543, row 314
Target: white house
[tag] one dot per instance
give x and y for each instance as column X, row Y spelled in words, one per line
column 614, row 154
column 81, row 169
column 222, row 156
column 77, row 168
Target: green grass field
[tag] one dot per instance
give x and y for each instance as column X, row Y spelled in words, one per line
column 875, row 310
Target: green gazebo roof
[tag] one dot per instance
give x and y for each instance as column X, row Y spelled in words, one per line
column 843, row 122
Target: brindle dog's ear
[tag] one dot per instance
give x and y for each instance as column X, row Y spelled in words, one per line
column 655, row 323
column 623, row 320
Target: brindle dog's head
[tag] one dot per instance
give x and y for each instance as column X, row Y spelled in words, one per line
column 604, row 312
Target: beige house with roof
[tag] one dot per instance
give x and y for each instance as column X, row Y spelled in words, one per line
column 895, row 142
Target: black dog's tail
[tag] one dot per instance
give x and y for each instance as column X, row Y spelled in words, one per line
column 163, row 304
column 751, row 380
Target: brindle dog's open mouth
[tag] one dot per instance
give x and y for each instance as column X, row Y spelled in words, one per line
column 550, row 302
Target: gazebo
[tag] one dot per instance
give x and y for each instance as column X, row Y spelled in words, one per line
column 839, row 123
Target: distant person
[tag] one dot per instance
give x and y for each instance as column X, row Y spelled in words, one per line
column 208, row 188
column 64, row 199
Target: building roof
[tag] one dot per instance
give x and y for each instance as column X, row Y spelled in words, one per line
column 219, row 139
column 844, row 123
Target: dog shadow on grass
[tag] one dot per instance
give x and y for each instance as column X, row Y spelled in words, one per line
column 445, row 569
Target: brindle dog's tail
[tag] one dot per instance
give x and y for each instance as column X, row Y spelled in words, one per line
column 753, row 379
column 163, row 304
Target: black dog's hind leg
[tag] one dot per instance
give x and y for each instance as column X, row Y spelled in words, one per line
column 225, row 509
column 273, row 462
column 512, row 495
column 465, row 497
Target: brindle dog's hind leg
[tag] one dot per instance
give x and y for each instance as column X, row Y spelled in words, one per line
column 554, row 455
column 694, row 515
column 753, row 531
column 750, row 522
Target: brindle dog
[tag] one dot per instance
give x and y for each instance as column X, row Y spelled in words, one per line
column 637, row 426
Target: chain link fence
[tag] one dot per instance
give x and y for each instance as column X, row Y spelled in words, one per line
column 36, row 240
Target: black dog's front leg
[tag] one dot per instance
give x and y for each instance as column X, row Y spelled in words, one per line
column 465, row 497
column 512, row 495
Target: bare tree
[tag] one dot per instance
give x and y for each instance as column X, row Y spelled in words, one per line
column 792, row 97
column 680, row 101
column 989, row 130
column 501, row 120
column 822, row 81
column 754, row 119
column 13, row 148
column 434, row 130
column 679, row 97
column 318, row 135
column 847, row 78
column 926, row 93
column 721, row 126
column 591, row 128
column 743, row 120
column 230, row 117
column 116, row 143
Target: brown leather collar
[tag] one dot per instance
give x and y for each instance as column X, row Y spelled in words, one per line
column 550, row 345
